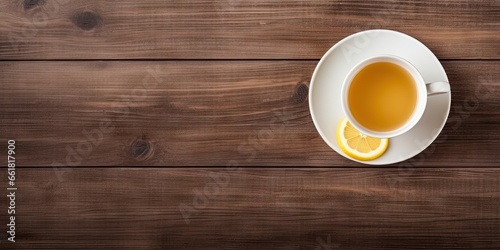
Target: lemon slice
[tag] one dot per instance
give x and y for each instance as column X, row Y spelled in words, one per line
column 357, row 145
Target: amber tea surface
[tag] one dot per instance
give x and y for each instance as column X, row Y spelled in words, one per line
column 382, row 96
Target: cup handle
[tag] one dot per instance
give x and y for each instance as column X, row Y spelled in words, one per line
column 435, row 88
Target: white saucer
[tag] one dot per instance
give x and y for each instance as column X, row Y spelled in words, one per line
column 326, row 83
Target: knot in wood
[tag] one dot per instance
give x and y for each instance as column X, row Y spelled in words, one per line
column 86, row 20
column 141, row 149
column 30, row 4
column 301, row 92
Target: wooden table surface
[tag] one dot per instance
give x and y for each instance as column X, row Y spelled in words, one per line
column 103, row 98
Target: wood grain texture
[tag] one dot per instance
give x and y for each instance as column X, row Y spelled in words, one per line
column 258, row 209
column 237, row 29
column 199, row 113
column 183, row 111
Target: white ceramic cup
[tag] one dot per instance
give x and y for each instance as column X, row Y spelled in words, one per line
column 423, row 91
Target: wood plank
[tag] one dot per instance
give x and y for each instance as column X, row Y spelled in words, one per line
column 257, row 209
column 236, row 29
column 197, row 113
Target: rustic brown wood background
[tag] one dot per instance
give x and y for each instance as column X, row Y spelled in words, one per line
column 102, row 97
